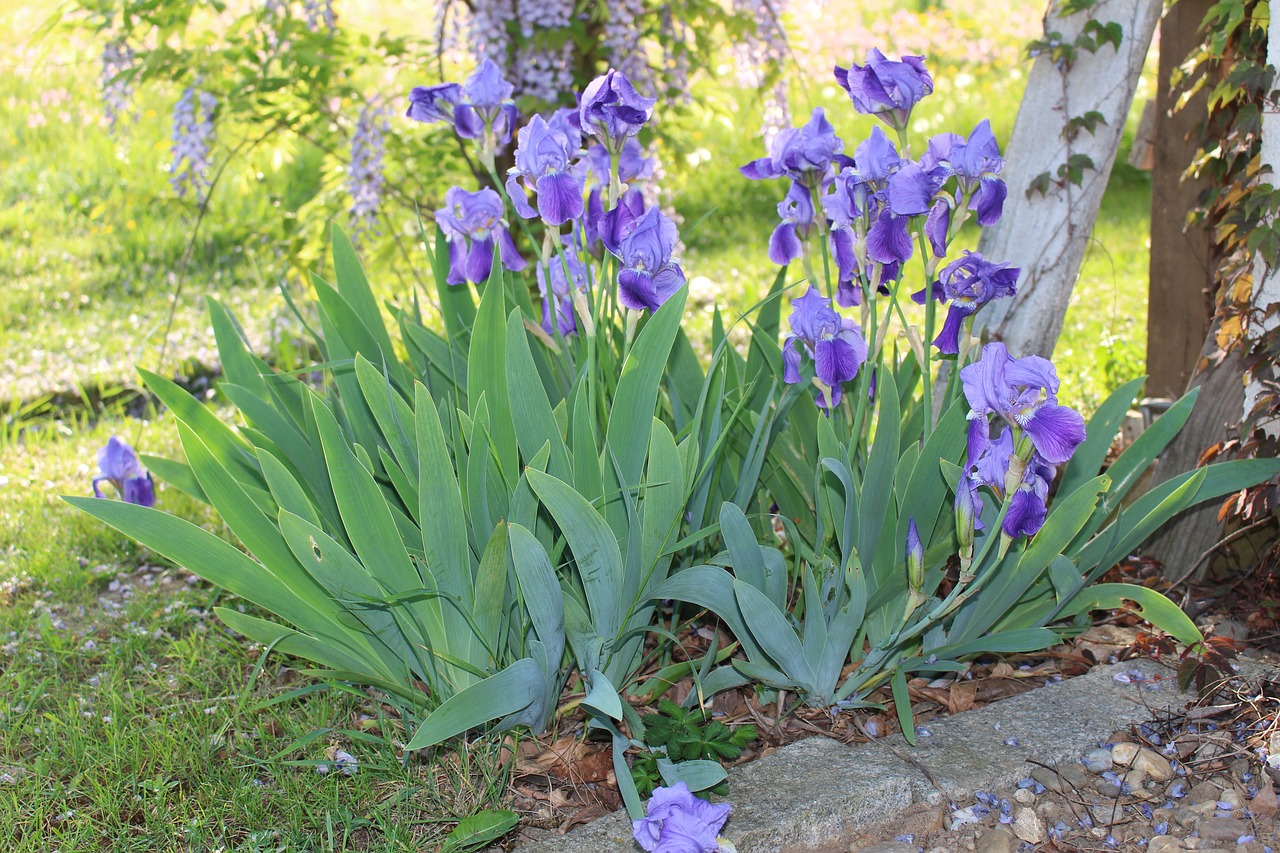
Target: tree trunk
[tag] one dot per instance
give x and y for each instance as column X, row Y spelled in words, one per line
column 1190, row 533
column 1045, row 234
column 1222, row 404
column 1181, row 278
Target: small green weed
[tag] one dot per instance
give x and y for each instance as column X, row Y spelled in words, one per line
column 687, row 735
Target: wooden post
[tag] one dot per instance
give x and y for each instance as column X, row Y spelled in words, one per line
column 1180, row 301
column 1046, row 234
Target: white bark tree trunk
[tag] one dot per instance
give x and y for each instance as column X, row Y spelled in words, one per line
column 1266, row 281
column 1046, row 234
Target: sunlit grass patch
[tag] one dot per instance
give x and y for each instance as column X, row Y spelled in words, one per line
column 131, row 719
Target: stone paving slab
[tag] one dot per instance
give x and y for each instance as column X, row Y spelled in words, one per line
column 814, row 794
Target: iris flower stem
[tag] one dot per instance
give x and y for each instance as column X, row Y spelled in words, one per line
column 930, row 317
column 958, row 595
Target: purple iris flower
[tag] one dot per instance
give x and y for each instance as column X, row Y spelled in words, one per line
column 620, row 220
column 911, row 192
column 611, row 110
column 796, row 212
column 483, row 103
column 545, row 155
column 648, row 276
column 119, row 466
column 834, row 343
column 434, row 103
column 988, row 464
column 676, row 821
column 977, row 163
column 1024, row 392
column 886, row 88
column 488, row 104
column 472, row 222
column 804, row 154
column 557, row 288
column 969, row 282
column 842, row 239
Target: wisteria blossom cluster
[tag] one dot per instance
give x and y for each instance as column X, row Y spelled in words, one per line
column 365, row 178
column 193, row 136
column 576, row 168
column 117, row 89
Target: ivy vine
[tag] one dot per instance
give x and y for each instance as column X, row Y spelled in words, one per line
column 1064, row 53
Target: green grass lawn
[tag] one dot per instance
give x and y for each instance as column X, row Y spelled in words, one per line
column 131, row 719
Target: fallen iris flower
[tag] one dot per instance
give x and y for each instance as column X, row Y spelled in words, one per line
column 472, row 222
column 676, row 821
column 119, row 466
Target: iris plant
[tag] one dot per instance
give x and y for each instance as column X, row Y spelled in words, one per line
column 119, row 466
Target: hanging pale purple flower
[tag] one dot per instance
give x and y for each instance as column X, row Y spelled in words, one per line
column 1023, row 391
column 119, row 466
column 762, row 51
column 488, row 36
column 472, row 223
column 365, row 177
column 320, row 13
column 117, row 85
column 545, row 164
column 623, row 38
column 835, row 344
column 886, row 88
column 676, row 821
column 193, row 136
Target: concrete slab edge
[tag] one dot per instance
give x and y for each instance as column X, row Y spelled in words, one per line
column 817, row 792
